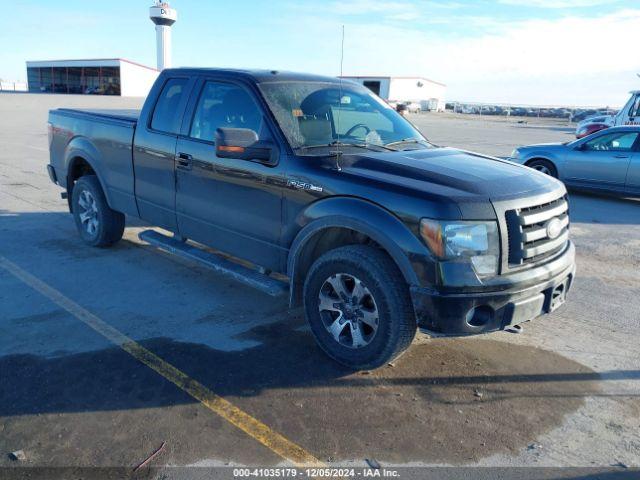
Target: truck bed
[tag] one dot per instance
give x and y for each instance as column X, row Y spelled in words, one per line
column 111, row 114
column 104, row 140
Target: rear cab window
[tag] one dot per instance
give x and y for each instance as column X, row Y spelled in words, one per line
column 171, row 100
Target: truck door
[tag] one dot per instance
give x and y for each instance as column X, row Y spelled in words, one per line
column 154, row 154
column 602, row 162
column 233, row 205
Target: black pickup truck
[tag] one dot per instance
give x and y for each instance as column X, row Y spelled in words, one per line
column 378, row 231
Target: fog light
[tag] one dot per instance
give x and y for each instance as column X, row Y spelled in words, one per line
column 479, row 316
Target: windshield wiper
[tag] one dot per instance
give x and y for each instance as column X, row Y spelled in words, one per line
column 367, row 146
column 408, row 140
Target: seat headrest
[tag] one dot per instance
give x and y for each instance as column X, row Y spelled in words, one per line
column 315, row 130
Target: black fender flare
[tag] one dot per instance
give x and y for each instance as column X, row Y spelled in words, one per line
column 364, row 217
column 82, row 148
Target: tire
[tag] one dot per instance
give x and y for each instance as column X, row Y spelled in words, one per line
column 378, row 304
column 544, row 166
column 97, row 223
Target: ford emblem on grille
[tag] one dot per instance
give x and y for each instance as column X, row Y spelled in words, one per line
column 554, row 228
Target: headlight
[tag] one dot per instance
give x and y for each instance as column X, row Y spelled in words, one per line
column 515, row 153
column 476, row 242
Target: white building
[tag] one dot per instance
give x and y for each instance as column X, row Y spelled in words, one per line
column 111, row 76
column 430, row 94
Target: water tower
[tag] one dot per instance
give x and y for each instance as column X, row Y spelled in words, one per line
column 163, row 16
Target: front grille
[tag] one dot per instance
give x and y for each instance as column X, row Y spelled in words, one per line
column 528, row 230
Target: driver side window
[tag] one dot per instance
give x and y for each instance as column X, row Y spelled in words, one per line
column 618, row 142
column 224, row 105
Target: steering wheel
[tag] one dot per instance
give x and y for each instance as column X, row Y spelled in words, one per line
column 355, row 127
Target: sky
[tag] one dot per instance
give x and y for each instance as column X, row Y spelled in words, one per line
column 539, row 52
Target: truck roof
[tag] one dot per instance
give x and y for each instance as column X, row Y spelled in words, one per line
column 258, row 76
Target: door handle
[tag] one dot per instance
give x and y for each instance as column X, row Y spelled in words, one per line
column 184, row 161
column 621, row 156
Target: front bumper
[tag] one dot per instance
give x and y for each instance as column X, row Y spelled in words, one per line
column 495, row 309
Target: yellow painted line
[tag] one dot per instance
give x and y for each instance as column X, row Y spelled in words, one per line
column 237, row 417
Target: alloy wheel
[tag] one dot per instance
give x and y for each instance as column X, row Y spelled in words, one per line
column 88, row 212
column 542, row 168
column 348, row 310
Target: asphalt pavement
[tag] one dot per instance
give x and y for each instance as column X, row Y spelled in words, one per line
column 107, row 353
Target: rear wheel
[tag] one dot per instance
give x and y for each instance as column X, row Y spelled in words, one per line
column 358, row 306
column 97, row 223
column 544, row 166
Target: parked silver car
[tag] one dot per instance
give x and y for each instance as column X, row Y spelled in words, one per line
column 607, row 161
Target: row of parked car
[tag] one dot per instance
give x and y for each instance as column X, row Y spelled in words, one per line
column 589, row 120
column 575, row 115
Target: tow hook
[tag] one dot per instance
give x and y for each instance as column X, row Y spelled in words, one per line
column 515, row 328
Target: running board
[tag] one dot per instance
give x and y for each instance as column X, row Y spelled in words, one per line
column 242, row 274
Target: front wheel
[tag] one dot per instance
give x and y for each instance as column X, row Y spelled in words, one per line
column 358, row 306
column 544, row 166
column 97, row 223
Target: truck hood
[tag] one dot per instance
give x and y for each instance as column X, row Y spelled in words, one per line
column 446, row 172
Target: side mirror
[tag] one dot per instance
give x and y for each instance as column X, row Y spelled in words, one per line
column 243, row 144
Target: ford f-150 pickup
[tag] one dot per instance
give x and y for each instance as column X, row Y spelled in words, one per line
column 378, row 231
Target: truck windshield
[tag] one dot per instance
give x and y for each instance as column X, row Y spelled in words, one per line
column 316, row 115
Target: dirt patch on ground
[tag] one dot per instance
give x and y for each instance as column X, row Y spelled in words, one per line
column 445, row 401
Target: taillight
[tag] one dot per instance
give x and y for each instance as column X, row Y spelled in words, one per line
column 50, row 133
